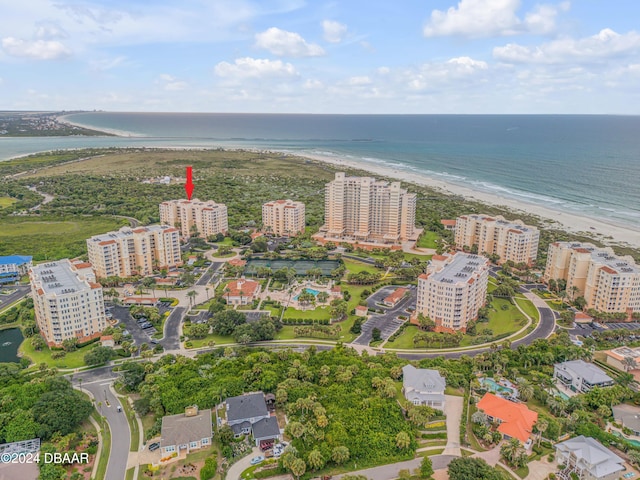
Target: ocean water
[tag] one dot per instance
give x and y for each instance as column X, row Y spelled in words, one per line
column 584, row 164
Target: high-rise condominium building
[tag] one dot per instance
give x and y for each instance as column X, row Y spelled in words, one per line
column 367, row 210
column 453, row 290
column 190, row 216
column 68, row 302
column 513, row 241
column 608, row 283
column 136, row 251
column 283, row 217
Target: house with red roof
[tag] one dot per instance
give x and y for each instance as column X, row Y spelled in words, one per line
column 361, row 311
column 241, row 291
column 392, row 299
column 515, row 419
column 448, row 224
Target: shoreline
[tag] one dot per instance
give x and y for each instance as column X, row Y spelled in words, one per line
column 108, row 131
column 607, row 232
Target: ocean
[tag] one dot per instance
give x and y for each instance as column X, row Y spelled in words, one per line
column 588, row 165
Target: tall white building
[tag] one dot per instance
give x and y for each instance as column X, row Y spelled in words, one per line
column 68, row 302
column 453, row 290
column 608, row 282
column 513, row 241
column 283, row 217
column 207, row 218
column 367, row 210
column 137, row 251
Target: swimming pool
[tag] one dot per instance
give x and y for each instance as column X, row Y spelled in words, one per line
column 562, row 395
column 492, row 385
column 635, row 443
column 309, row 290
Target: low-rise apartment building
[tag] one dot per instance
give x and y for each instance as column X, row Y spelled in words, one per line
column 68, row 302
column 12, row 267
column 283, row 218
column 136, row 251
column 453, row 290
column 510, row 241
column 608, row 282
column 580, row 376
column 193, row 217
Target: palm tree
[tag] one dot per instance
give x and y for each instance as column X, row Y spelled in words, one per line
column 206, row 289
column 629, row 363
column 191, row 294
column 541, row 426
column 241, row 293
column 403, row 440
column 298, row 467
column 340, row 455
column 316, row 460
column 510, row 450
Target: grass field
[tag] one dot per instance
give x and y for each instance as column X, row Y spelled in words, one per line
column 7, row 201
column 218, row 339
column 428, row 240
column 318, row 313
column 106, row 446
column 70, row 360
column 52, row 239
column 529, row 308
column 353, row 266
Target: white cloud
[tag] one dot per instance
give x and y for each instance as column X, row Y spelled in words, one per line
column 437, row 75
column 467, row 64
column 359, row 81
column 312, row 84
column 486, row 18
column 289, row 44
column 248, row 67
column 383, row 70
column 334, row 32
column 35, row 49
column 606, row 44
column 171, row 83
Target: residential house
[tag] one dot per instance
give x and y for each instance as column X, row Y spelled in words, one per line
column 588, row 459
column 628, row 416
column 186, row 431
column 624, row 358
column 449, row 224
column 580, row 376
column 241, row 291
column 422, row 386
column 248, row 415
column 515, row 419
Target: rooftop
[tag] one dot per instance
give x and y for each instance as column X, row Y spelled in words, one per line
column 17, row 259
column 247, row 287
column 266, row 428
column 422, row 379
column 246, row 406
column 517, row 419
column 127, row 232
column 461, row 267
column 180, row 429
column 59, row 277
column 601, row 460
column 588, row 371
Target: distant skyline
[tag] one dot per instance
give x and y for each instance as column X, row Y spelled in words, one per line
column 353, row 56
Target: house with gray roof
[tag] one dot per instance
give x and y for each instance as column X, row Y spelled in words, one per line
column 248, row 415
column 422, row 386
column 186, row 431
column 628, row 416
column 580, row 376
column 589, row 459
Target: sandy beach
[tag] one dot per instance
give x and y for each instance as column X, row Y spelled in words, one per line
column 606, row 232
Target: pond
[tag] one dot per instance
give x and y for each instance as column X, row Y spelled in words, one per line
column 10, row 340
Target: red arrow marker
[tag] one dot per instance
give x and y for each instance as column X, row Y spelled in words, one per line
column 188, row 187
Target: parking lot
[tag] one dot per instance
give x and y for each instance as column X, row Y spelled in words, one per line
column 140, row 330
column 586, row 329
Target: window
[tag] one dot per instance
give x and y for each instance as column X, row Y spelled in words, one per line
column 205, row 441
column 170, row 448
column 193, row 445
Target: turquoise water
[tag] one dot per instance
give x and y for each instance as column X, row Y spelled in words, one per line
column 513, row 156
column 635, row 443
column 562, row 395
column 309, row 290
column 492, row 385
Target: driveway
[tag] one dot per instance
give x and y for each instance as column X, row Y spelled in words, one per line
column 210, row 272
column 453, row 409
column 389, row 472
column 241, row 465
column 171, row 339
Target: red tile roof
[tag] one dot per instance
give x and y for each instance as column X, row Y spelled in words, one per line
column 397, row 294
column 439, row 258
column 248, row 287
column 423, row 276
column 609, row 270
column 517, row 419
column 361, row 308
column 581, row 250
column 448, row 223
column 83, row 265
column 237, row 262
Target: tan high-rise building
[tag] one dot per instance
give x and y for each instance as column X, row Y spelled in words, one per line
column 367, row 210
column 137, row 251
column 68, row 302
column 207, row 218
column 283, row 217
column 513, row 241
column 453, row 290
column 607, row 282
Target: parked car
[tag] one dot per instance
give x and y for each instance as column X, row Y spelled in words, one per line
column 155, row 341
column 154, row 446
column 257, row 460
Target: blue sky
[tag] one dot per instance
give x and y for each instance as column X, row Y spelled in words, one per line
column 349, row 56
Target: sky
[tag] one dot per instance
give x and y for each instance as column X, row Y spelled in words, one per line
column 315, row 56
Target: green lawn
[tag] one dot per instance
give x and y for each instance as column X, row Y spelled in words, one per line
column 318, row 313
column 353, row 266
column 70, row 360
column 7, row 201
column 529, row 308
column 133, row 424
column 52, row 239
column 427, row 240
column 106, row 446
column 405, row 339
column 218, row 339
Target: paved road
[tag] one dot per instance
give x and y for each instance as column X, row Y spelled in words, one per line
column 97, row 382
column 210, row 272
column 389, row 472
column 18, row 293
column 171, row 339
column 386, row 322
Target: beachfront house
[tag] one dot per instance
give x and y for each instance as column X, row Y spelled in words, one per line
column 588, row 459
column 422, row 386
column 580, row 376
